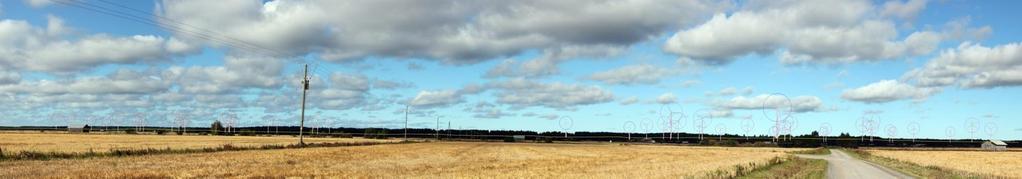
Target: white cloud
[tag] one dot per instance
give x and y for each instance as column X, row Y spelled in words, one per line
column 119, row 82
column 730, row 91
column 345, row 81
column 886, row 91
column 236, row 74
column 959, row 29
column 802, row 32
column 414, row 66
column 429, row 99
column 547, row 63
column 338, row 99
column 690, row 83
column 344, row 91
column 550, row 116
column 972, row 66
column 385, row 84
column 342, row 30
column 904, row 10
column 721, row 113
column 42, row 49
column 39, row 3
column 524, row 93
column 667, row 98
column 630, row 100
column 797, row 104
column 9, row 77
column 488, row 111
column 632, row 75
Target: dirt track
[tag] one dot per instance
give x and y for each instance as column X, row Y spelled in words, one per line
column 840, row 165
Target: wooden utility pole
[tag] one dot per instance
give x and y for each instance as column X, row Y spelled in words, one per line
column 305, row 89
column 406, row 122
column 438, row 127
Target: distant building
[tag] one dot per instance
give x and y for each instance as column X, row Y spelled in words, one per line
column 76, row 128
column 995, row 145
column 518, row 138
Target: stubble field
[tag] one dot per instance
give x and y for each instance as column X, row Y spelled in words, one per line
column 1001, row 164
column 429, row 160
column 12, row 142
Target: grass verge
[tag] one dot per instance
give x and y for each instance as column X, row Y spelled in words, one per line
column 914, row 169
column 816, row 151
column 793, row 168
column 34, row 155
column 778, row 167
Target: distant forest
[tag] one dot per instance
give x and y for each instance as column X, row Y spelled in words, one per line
column 812, row 139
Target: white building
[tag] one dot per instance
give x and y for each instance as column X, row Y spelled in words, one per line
column 995, row 145
column 76, row 128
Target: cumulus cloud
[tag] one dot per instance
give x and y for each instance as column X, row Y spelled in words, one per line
column 690, row 83
column 630, row 100
column 968, row 66
column 120, row 82
column 667, row 98
column 342, row 91
column 429, row 99
column 9, row 77
column 730, row 91
column 488, row 111
column 236, row 74
column 632, row 75
column 346, row 81
column 801, row 32
column 414, row 67
column 972, row 66
column 886, row 91
column 39, row 3
column 342, row 30
column 385, row 84
column 959, row 29
column 521, row 93
column 44, row 49
column 797, row 104
column 547, row 63
column 906, row 10
column 721, row 113
column 451, row 32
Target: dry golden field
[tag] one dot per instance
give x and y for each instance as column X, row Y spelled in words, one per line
column 416, row 160
column 1004, row 164
column 62, row 142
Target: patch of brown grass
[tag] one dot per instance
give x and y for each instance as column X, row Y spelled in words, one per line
column 1000, row 164
column 81, row 143
column 430, row 160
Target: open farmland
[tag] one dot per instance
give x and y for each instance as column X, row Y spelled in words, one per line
column 60, row 142
column 442, row 159
column 1001, row 164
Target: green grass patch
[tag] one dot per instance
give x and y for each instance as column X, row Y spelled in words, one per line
column 793, row 168
column 816, row 151
column 777, row 167
column 914, row 169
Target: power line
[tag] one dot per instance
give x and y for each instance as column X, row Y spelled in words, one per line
column 178, row 22
column 208, row 35
column 180, row 27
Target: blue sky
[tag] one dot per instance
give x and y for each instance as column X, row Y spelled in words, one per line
column 519, row 65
